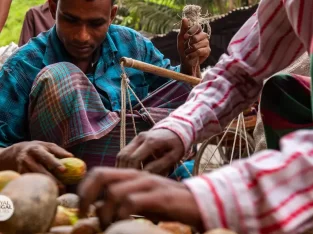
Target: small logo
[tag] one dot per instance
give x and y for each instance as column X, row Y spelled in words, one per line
column 6, row 208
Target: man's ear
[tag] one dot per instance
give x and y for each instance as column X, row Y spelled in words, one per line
column 53, row 7
column 113, row 12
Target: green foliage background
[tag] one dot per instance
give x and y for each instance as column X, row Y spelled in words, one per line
column 153, row 16
column 12, row 29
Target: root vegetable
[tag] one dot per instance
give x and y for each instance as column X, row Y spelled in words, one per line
column 34, row 198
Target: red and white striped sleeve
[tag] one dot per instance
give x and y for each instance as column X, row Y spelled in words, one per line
column 269, row 41
column 271, row 192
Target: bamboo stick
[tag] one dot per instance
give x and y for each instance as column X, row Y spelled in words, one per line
column 129, row 62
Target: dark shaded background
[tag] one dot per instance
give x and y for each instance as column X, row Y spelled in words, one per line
column 223, row 29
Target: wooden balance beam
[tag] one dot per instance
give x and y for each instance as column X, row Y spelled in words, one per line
column 145, row 67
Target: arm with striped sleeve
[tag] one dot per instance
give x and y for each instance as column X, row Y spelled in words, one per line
column 269, row 41
column 271, row 192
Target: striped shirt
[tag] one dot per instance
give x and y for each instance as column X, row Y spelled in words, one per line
column 273, row 191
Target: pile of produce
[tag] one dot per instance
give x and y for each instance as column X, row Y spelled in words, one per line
column 39, row 210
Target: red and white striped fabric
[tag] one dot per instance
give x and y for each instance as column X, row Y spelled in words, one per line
column 276, row 35
column 273, row 191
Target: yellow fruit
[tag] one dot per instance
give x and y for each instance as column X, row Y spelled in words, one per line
column 175, row 227
column 75, row 171
column 65, row 217
column 142, row 220
column 6, row 177
column 69, row 200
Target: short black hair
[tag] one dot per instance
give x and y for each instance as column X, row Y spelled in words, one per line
column 112, row 1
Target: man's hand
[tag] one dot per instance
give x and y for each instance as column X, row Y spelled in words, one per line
column 159, row 150
column 193, row 46
column 4, row 12
column 36, row 156
column 131, row 192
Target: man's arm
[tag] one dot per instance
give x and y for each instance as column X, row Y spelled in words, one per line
column 272, row 38
column 193, row 47
column 4, row 12
column 268, row 193
column 267, row 43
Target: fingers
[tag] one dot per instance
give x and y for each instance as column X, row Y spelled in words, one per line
column 149, row 204
column 106, row 211
column 136, row 152
column 141, row 154
column 58, row 151
column 203, row 52
column 196, row 44
column 164, row 163
column 124, row 154
column 183, row 28
column 22, row 169
column 98, row 179
column 171, row 204
column 38, row 168
column 47, row 159
column 118, row 191
column 193, row 31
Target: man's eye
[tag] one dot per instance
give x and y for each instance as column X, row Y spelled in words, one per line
column 97, row 23
column 71, row 20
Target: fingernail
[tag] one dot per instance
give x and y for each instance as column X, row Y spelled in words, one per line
column 61, row 168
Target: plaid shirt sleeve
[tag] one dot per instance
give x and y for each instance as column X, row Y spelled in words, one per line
column 271, row 192
column 15, row 87
column 269, row 41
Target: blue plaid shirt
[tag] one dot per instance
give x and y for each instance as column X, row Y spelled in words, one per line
column 20, row 70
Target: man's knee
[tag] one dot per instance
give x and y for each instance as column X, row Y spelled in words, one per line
column 59, row 72
column 278, row 82
column 276, row 86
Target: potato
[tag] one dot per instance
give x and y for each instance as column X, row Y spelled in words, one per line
column 220, row 231
column 134, row 227
column 61, row 230
column 175, row 227
column 142, row 220
column 34, row 198
column 69, row 200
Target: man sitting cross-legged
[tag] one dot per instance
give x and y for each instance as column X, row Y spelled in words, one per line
column 62, row 89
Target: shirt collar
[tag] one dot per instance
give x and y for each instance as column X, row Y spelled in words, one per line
column 109, row 50
column 45, row 6
column 56, row 52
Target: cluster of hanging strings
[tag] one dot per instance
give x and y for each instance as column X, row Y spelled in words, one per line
column 193, row 14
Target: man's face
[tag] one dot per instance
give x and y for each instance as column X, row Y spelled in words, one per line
column 82, row 25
